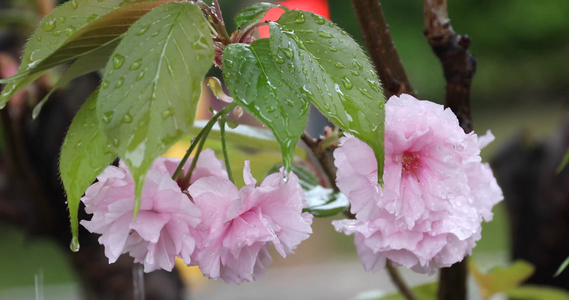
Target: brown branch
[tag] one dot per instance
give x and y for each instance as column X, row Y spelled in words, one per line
column 459, row 67
column 381, row 48
column 399, row 282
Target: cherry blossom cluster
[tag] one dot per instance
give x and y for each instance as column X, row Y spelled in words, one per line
column 224, row 230
column 435, row 194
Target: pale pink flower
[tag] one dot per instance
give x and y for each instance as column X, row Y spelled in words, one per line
column 436, row 189
column 162, row 228
column 238, row 225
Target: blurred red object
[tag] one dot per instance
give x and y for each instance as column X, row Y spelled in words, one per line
column 319, row 7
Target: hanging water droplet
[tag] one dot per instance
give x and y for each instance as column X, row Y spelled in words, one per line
column 324, row 34
column 135, row 65
column 347, row 83
column 118, row 60
column 127, row 118
column 119, row 83
column 285, row 176
column 74, row 245
column 49, row 25
column 143, row 30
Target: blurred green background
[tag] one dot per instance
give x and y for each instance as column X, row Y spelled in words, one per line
column 522, row 83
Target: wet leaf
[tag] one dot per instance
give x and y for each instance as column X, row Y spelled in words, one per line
column 329, row 68
column 71, row 30
column 563, row 163
column 152, row 83
column 501, row 279
column 255, row 83
column 77, row 169
column 88, row 63
column 253, row 14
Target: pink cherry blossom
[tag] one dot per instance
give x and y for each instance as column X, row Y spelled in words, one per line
column 436, row 189
column 238, row 226
column 163, row 227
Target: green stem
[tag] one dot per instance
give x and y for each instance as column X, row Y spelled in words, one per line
column 222, row 122
column 201, row 136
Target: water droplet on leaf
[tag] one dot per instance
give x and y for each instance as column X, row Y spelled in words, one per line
column 127, row 118
column 118, row 60
column 48, row 25
column 135, row 65
column 325, row 34
column 119, row 83
column 347, row 83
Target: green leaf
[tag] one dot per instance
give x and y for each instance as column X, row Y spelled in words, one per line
column 536, row 292
column 151, row 85
column 254, row 82
column 329, row 68
column 91, row 62
column 563, row 162
column 501, row 279
column 427, row 291
column 71, row 30
column 85, row 153
column 562, row 267
column 253, row 14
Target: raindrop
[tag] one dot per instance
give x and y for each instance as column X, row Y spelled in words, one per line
column 74, row 245
column 107, row 116
column 116, row 142
column 135, row 65
column 271, row 109
column 333, row 49
column 48, row 25
column 92, row 105
column 119, row 83
column 285, row 176
column 108, row 149
column 140, row 75
column 325, row 34
column 92, row 18
column 300, row 19
column 238, row 111
column 365, row 93
column 339, row 65
column 61, row 19
column 279, row 60
column 127, row 118
column 73, row 4
column 167, row 113
column 347, row 83
column 69, row 30
column 143, row 30
column 355, row 73
column 118, row 60
column 105, row 84
column 319, row 19
column 288, row 53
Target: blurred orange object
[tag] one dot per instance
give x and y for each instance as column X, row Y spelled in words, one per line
column 319, row 7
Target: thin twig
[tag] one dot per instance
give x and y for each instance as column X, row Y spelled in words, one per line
column 381, row 48
column 459, row 67
column 399, row 282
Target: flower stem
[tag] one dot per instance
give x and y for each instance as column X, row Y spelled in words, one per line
column 399, row 282
column 222, row 122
